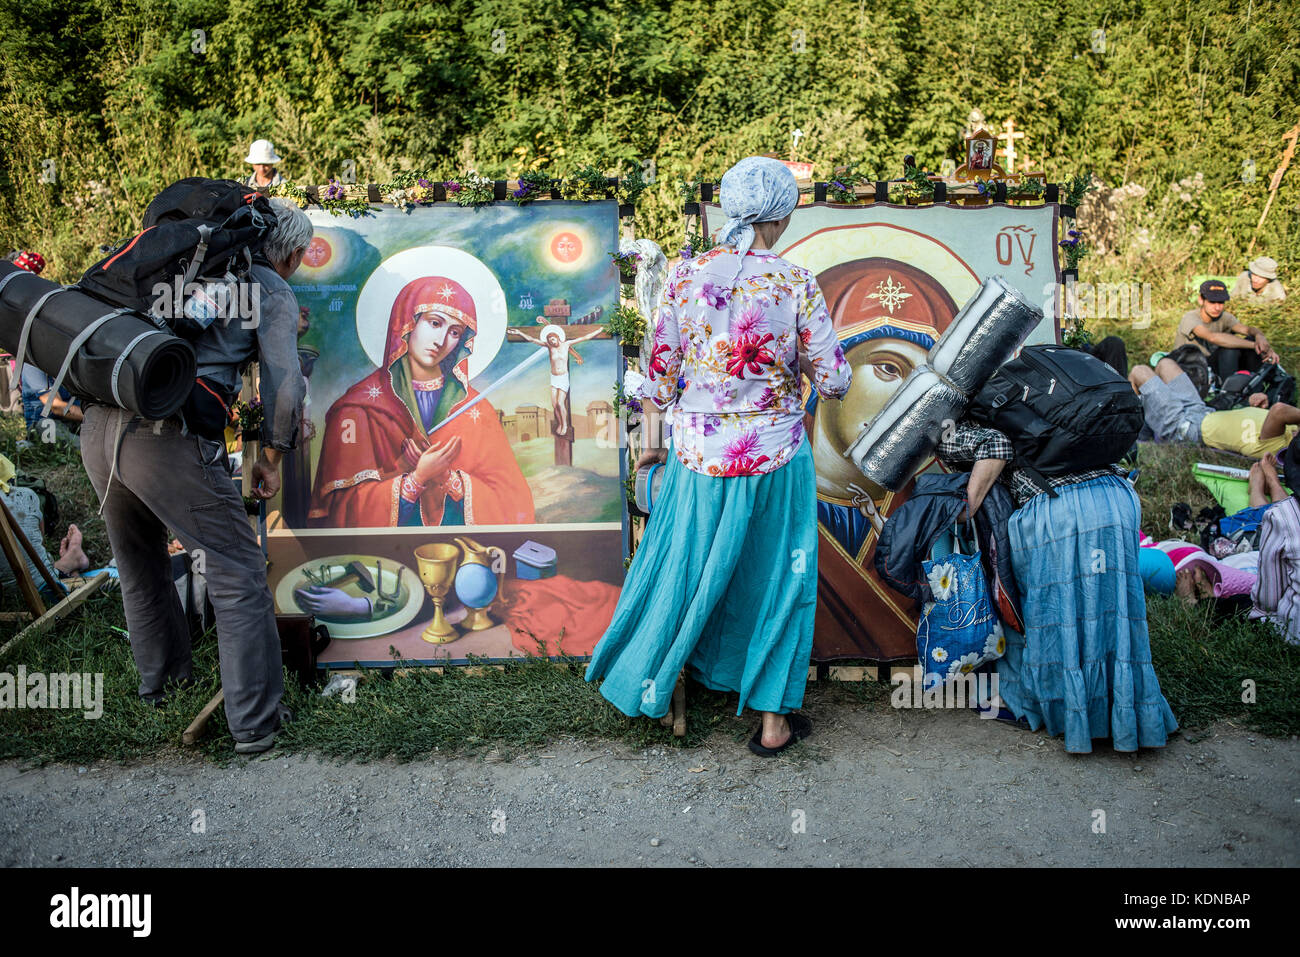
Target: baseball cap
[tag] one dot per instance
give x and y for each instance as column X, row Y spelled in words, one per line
column 1213, row 290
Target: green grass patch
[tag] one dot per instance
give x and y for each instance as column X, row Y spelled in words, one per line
column 1202, row 661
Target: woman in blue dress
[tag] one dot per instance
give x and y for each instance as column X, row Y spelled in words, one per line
column 724, row 583
column 1082, row 668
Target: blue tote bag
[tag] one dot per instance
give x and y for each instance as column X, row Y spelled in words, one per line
column 958, row 630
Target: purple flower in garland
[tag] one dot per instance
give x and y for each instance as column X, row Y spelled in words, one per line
column 423, row 183
column 633, row 403
column 839, row 186
column 335, row 190
column 714, row 296
column 452, row 186
column 523, row 190
column 686, row 252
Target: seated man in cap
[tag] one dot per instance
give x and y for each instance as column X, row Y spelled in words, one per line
column 1259, row 283
column 1175, row 413
column 262, row 157
column 1219, row 336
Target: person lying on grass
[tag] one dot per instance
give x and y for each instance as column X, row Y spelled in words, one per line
column 1175, row 413
column 1227, row 583
column 25, row 505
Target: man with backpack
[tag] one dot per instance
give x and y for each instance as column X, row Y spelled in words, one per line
column 1049, row 425
column 1175, row 413
column 155, row 476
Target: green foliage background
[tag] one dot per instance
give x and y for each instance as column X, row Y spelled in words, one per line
column 116, row 95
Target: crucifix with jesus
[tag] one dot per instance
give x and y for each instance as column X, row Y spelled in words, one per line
column 560, row 347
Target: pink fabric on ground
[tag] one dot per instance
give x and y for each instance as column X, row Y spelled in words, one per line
column 1225, row 579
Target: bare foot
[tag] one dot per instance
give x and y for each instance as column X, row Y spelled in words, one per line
column 1204, row 587
column 71, row 557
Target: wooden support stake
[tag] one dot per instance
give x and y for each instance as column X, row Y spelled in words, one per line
column 679, row 708
column 31, row 551
column 200, row 722
column 1287, row 155
column 14, row 555
column 64, row 608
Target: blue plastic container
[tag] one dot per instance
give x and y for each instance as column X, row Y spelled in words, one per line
column 534, row 560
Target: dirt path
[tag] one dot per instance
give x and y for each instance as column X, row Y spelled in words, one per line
column 870, row 788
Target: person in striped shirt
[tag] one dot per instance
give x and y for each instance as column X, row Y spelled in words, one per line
column 1276, row 595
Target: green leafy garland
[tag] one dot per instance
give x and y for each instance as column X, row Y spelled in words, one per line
column 471, row 189
column 1077, row 187
column 627, row 325
column 916, row 183
column 585, row 183
column 842, row 188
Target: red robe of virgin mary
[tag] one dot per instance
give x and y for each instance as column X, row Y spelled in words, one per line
column 359, row 480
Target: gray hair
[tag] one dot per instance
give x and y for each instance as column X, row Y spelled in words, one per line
column 293, row 231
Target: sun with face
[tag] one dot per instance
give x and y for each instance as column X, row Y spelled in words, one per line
column 568, row 249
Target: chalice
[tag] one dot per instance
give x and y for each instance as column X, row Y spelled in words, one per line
column 437, row 564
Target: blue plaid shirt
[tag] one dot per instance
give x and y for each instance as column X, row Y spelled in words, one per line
column 969, row 443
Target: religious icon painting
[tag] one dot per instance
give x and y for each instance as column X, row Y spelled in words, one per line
column 458, row 490
column 981, row 150
column 893, row 277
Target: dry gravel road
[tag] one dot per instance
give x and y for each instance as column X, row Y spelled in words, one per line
column 870, row 788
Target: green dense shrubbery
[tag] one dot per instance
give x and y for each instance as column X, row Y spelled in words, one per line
column 117, row 96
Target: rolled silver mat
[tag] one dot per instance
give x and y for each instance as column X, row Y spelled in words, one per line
column 897, row 441
column 984, row 334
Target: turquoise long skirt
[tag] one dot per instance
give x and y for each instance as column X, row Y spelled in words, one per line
column 724, row 584
column 1083, row 667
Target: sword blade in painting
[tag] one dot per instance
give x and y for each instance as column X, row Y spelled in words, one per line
column 483, row 394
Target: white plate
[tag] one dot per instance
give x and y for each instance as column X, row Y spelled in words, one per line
column 409, row 601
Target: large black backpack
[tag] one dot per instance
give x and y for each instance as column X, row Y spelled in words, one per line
column 1063, row 410
column 200, row 238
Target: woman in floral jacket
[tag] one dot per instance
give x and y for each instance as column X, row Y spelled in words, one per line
column 725, row 581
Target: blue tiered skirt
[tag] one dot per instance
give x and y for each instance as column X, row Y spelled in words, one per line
column 1084, row 666
column 723, row 584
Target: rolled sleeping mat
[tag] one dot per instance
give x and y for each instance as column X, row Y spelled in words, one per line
column 903, row 434
column 646, row 486
column 96, row 350
column 984, row 334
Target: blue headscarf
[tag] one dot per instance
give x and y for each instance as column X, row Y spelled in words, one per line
column 758, row 189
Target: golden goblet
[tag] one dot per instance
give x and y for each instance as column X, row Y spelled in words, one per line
column 437, row 564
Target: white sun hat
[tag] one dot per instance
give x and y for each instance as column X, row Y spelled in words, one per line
column 1263, row 266
column 261, row 152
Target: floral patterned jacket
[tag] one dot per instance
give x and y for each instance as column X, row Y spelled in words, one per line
column 727, row 353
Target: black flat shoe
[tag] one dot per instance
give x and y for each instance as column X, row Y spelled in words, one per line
column 800, row 728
